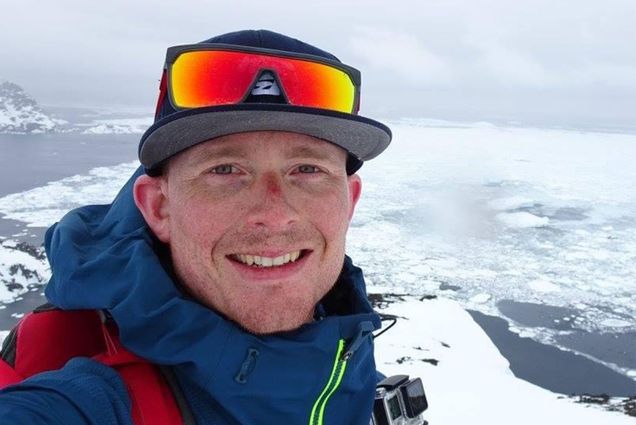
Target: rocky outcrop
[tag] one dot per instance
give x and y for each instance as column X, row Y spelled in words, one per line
column 21, row 114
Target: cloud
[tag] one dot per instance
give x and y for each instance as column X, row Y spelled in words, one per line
column 571, row 60
column 400, row 53
column 509, row 66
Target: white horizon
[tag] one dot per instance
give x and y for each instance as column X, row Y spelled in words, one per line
column 570, row 63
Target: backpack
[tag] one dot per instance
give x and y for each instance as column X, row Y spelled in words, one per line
column 47, row 338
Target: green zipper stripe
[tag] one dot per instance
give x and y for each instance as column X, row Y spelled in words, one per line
column 337, row 372
column 333, row 389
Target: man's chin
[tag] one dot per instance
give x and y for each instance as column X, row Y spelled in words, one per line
column 268, row 327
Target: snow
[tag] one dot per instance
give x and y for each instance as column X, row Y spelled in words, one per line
column 480, row 298
column 532, row 215
column 543, row 285
column 19, row 270
column 43, row 206
column 17, row 120
column 510, row 203
column 19, row 113
column 471, row 383
column 616, row 323
column 522, row 220
column 118, row 126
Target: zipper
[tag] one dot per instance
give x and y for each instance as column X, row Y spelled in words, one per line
column 339, row 366
column 337, row 372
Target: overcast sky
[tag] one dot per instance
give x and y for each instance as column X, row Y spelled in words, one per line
column 554, row 62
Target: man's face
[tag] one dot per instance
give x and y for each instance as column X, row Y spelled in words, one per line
column 256, row 224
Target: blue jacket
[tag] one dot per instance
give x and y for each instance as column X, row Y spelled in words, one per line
column 104, row 257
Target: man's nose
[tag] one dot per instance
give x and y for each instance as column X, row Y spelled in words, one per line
column 272, row 204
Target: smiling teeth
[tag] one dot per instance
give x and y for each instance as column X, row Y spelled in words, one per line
column 257, row 260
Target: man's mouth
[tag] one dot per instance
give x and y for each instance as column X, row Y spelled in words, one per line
column 261, row 261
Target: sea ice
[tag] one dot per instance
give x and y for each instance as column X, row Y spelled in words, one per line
column 522, row 220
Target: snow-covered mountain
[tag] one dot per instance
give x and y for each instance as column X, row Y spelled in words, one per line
column 20, row 113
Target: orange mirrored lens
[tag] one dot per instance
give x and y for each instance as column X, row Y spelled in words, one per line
column 210, row 77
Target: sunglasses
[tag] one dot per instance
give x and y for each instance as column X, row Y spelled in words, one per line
column 203, row 75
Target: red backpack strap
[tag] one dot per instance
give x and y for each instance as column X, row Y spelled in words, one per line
column 154, row 399
column 8, row 375
column 48, row 338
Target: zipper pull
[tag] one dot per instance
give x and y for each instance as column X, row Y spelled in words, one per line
column 364, row 330
column 248, row 366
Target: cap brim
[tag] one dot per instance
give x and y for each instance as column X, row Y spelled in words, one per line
column 362, row 137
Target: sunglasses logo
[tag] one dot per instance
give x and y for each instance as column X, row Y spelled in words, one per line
column 266, row 85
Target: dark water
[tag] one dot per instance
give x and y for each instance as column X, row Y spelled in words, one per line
column 28, row 161
column 611, row 347
column 18, row 231
column 551, row 368
column 539, row 315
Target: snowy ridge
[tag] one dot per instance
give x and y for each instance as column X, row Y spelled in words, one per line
column 19, row 113
column 466, row 379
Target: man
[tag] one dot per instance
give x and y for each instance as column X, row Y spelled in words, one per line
column 223, row 258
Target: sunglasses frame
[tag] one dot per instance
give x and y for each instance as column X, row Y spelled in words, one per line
column 175, row 51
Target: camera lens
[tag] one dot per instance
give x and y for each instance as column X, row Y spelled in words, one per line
column 414, row 398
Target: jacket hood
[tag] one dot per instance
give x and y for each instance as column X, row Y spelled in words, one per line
column 105, row 257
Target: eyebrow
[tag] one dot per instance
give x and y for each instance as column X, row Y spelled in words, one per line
column 220, row 151
column 309, row 152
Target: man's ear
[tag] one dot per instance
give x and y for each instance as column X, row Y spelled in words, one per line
column 151, row 198
column 355, row 189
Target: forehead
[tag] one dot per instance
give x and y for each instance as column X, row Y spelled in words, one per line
column 256, row 144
